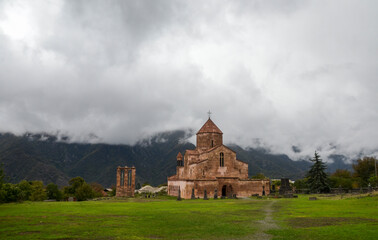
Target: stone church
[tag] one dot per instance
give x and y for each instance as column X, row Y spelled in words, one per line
column 213, row 167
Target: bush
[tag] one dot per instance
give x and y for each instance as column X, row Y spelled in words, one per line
column 98, row 189
column 9, row 193
column 373, row 181
column 113, row 192
column 364, row 169
column 301, row 184
column 38, row 192
column 84, row 192
column 2, row 176
column 53, row 192
column 259, row 176
column 276, row 183
column 75, row 183
column 81, row 190
column 336, row 182
column 25, row 190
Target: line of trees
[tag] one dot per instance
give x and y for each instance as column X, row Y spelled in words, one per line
column 318, row 181
column 36, row 191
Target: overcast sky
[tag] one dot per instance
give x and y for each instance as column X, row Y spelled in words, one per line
column 275, row 74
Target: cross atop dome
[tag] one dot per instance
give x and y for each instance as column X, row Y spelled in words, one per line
column 209, row 113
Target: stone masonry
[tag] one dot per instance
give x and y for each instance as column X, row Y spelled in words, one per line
column 213, row 167
column 125, row 181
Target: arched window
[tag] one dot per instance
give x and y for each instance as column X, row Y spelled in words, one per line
column 122, row 182
column 221, row 159
column 129, row 179
column 212, row 143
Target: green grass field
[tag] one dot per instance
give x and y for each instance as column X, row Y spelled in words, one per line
column 326, row 218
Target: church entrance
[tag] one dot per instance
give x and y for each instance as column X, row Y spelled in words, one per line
column 224, row 190
column 227, row 191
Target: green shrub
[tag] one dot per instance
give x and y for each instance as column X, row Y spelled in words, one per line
column 259, row 176
column 84, row 192
column 25, row 190
column 9, row 193
column 53, row 192
column 38, row 192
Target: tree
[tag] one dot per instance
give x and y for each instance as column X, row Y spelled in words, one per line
column 342, row 173
column 98, row 189
column 318, row 180
column 84, row 192
column 75, row 183
column 53, row 192
column 2, row 175
column 26, row 190
column 341, row 178
column 364, row 169
column 301, row 184
column 38, row 192
column 9, row 193
column 373, row 181
column 114, row 191
column 80, row 189
column 276, row 183
column 259, row 176
column 336, row 182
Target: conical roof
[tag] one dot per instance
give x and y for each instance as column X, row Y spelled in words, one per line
column 209, row 127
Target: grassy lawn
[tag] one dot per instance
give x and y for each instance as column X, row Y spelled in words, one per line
column 327, row 218
column 133, row 219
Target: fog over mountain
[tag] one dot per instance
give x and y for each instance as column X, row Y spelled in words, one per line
column 288, row 76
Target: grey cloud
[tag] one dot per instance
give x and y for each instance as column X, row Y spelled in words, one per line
column 288, row 76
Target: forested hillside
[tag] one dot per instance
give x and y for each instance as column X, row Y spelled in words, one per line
column 42, row 157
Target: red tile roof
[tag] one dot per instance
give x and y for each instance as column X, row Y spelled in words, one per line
column 209, row 127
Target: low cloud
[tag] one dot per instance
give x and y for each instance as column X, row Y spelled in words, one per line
column 275, row 75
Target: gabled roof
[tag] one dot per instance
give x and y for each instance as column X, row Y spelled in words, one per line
column 212, row 149
column 209, row 127
column 191, row 152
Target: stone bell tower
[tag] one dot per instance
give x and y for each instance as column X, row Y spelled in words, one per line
column 179, row 160
column 209, row 136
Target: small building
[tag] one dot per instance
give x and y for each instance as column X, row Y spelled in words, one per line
column 213, row 167
column 125, row 186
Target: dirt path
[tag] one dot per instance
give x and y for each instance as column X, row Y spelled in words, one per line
column 266, row 224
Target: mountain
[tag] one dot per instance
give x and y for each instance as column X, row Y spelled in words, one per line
column 47, row 158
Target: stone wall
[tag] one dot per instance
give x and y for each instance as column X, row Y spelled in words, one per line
column 206, row 141
column 227, row 187
column 208, row 165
